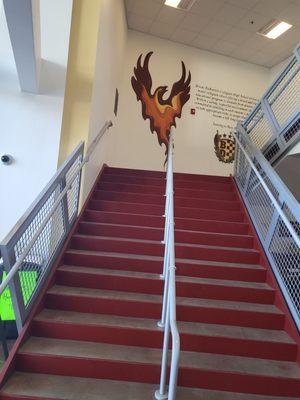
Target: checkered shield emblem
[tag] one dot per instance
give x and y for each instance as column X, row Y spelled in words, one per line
column 224, row 147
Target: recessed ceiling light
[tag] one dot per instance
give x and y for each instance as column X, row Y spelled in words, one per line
column 274, row 29
column 180, row 4
column 172, row 3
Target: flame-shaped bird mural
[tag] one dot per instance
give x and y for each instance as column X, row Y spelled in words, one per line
column 161, row 113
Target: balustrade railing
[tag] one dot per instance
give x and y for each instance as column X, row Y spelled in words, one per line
column 31, row 248
column 275, row 214
column 274, row 124
column 168, row 317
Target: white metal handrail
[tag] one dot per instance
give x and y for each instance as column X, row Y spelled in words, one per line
column 168, row 319
column 8, row 246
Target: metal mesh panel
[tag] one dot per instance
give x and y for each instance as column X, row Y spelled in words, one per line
column 286, row 257
column 275, row 235
column 291, row 132
column 285, row 98
column 37, row 240
column 272, row 151
column 72, row 195
column 37, row 260
column 259, row 203
column 241, row 168
column 259, row 129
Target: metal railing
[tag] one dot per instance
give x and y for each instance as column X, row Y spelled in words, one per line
column 275, row 214
column 274, row 124
column 2, row 324
column 168, row 318
column 31, row 248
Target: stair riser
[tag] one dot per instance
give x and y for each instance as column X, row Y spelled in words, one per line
column 149, row 373
column 148, row 209
column 122, row 263
column 126, row 231
column 103, row 306
column 88, row 368
column 158, row 222
column 156, row 249
column 156, row 190
column 203, row 271
column 162, row 175
column 250, row 319
column 153, row 311
column 153, row 339
column 159, row 200
column 99, row 334
column 239, row 382
column 152, row 286
column 148, row 181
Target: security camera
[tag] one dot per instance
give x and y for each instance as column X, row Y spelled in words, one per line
column 6, row 159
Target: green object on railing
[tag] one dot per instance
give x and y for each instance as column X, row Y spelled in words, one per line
column 28, row 284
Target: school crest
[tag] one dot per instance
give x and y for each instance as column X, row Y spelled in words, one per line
column 224, row 147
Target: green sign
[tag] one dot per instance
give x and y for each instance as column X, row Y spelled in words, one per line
column 28, row 283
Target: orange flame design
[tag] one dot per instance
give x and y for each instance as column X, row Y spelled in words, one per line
column 160, row 112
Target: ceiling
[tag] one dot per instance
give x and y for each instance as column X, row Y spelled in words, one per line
column 225, row 27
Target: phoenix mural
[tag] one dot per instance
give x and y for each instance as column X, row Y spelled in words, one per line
column 161, row 112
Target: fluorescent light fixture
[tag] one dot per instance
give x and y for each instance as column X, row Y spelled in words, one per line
column 274, row 29
column 172, row 3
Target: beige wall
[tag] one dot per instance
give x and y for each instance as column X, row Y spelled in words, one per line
column 80, row 74
column 136, row 147
column 96, row 57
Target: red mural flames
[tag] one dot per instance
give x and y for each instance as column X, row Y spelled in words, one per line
column 161, row 113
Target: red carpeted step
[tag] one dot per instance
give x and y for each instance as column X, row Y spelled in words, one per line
column 133, row 262
column 32, row 386
column 152, row 209
column 160, row 190
column 138, row 282
column 240, row 228
column 149, row 233
column 208, row 338
column 160, row 182
column 149, row 306
column 107, row 361
column 159, row 200
column 162, row 174
column 154, row 248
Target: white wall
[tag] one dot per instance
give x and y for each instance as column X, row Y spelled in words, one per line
column 136, row 147
column 109, row 66
column 30, row 124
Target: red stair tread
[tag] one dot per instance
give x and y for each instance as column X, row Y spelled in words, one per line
column 157, row 199
column 141, row 297
column 157, row 258
column 116, row 273
column 192, row 360
column 162, row 174
column 41, row 386
column 71, row 317
column 153, row 233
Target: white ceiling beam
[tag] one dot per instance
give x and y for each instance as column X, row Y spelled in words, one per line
column 23, row 20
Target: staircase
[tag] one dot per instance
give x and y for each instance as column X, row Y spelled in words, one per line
column 95, row 334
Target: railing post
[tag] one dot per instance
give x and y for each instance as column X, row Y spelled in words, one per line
column 297, row 53
column 15, row 286
column 3, row 339
column 65, row 208
column 162, row 393
column 268, row 113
